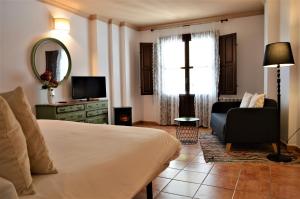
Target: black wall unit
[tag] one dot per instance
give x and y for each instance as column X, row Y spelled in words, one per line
column 123, row 116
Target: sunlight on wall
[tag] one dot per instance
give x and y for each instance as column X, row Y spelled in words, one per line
column 60, row 28
column 62, row 36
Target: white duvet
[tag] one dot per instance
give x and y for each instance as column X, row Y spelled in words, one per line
column 101, row 161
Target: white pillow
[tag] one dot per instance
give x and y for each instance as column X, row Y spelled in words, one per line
column 246, row 100
column 257, row 101
column 14, row 161
column 40, row 161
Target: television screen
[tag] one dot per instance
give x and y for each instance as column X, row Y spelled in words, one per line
column 88, row 87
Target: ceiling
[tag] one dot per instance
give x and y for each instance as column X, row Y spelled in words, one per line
column 152, row 12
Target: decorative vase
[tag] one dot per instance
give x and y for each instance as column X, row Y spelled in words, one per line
column 51, row 95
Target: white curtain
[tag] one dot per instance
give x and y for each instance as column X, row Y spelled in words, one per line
column 204, row 57
column 169, row 77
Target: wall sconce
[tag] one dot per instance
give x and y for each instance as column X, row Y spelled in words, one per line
column 61, row 24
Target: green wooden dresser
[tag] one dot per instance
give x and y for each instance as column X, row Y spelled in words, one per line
column 88, row 111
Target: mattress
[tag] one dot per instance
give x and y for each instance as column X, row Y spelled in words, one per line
column 101, row 161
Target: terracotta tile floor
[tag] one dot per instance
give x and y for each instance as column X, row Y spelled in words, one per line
column 190, row 177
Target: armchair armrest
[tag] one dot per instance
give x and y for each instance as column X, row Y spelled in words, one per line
column 223, row 107
column 251, row 125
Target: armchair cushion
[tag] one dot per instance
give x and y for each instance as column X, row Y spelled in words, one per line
column 257, row 101
column 246, row 100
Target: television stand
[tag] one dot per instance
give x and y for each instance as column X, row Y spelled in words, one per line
column 78, row 111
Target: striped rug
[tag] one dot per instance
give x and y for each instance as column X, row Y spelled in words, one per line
column 214, row 151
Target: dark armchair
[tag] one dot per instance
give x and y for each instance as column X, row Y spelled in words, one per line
column 245, row 125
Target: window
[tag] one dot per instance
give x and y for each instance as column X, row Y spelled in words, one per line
column 172, row 59
column 202, row 51
column 169, row 77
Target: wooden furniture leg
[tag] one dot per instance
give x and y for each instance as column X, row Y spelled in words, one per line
column 228, row 146
column 149, row 191
column 274, row 145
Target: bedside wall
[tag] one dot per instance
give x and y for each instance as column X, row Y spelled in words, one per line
column 23, row 24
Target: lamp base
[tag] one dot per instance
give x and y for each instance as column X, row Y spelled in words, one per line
column 279, row 158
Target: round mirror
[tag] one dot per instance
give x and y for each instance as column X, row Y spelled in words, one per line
column 51, row 62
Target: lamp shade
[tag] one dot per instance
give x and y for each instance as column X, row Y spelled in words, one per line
column 62, row 24
column 278, row 53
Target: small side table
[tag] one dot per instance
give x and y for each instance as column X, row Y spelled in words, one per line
column 187, row 129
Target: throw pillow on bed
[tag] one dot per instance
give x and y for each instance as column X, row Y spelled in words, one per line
column 7, row 189
column 14, row 161
column 40, row 162
column 257, row 101
column 246, row 100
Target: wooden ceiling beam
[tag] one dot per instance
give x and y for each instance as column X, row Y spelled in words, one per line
column 201, row 20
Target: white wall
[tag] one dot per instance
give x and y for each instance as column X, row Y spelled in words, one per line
column 114, row 55
column 288, row 74
column 99, row 55
column 94, row 47
column 298, row 75
column 288, row 24
column 24, row 23
column 123, row 68
column 131, row 73
column 250, row 41
column 272, row 34
column 114, row 65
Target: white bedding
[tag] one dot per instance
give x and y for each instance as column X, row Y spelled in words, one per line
column 101, row 161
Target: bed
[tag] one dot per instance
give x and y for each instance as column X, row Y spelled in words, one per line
column 102, row 161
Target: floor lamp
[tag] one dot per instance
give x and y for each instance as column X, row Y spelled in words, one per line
column 278, row 55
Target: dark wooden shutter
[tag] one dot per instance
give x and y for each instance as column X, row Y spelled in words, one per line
column 227, row 79
column 146, row 64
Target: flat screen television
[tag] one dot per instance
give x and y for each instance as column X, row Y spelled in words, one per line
column 87, row 87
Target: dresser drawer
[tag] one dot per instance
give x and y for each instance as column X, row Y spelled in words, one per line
column 93, row 106
column 96, row 112
column 100, row 119
column 74, row 116
column 96, row 105
column 89, row 111
column 103, row 104
column 66, row 109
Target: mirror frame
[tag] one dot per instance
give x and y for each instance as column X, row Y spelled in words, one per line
column 33, row 53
